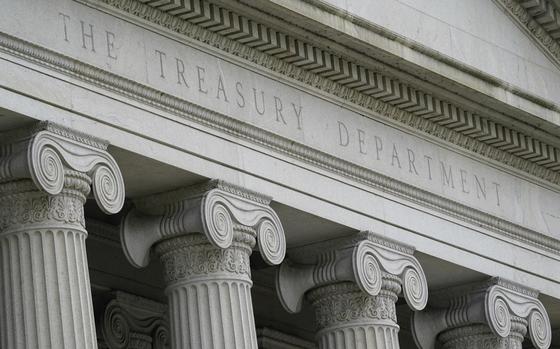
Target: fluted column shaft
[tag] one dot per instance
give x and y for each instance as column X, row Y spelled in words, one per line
column 45, row 294
column 348, row 318
column 204, row 236
column 209, row 291
column 353, row 283
column 46, row 171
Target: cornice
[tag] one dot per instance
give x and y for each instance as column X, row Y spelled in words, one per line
column 222, row 123
column 540, row 19
column 369, row 26
column 373, row 90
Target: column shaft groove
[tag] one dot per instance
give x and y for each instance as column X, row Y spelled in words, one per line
column 46, row 290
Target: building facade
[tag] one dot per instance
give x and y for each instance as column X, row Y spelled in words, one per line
column 279, row 174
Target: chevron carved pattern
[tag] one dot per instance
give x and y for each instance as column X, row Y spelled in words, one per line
column 371, row 83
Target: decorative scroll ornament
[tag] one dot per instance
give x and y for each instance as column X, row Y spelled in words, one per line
column 129, row 321
column 211, row 209
column 45, row 152
column 361, row 259
column 494, row 303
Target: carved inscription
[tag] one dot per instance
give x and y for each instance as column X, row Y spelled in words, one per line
column 177, row 70
column 240, row 90
column 378, row 148
column 82, row 32
column 215, row 83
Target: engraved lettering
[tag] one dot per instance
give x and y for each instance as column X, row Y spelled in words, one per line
column 446, row 176
column 221, row 89
column 87, row 35
column 278, row 107
column 161, row 55
column 480, row 187
column 201, row 71
column 65, row 17
column 297, row 111
column 411, row 159
column 344, row 138
column 497, row 186
column 428, row 161
column 362, row 141
column 181, row 72
column 110, row 44
column 463, row 175
column 261, row 112
column 395, row 156
column 239, row 89
column 378, row 147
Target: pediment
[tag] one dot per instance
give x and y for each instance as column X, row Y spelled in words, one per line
column 539, row 20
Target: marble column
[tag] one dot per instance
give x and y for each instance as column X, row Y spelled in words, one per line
column 353, row 284
column 495, row 314
column 45, row 176
column 204, row 236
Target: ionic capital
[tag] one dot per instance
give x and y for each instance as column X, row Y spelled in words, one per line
column 212, row 209
column 129, row 321
column 497, row 303
column 46, row 152
column 362, row 259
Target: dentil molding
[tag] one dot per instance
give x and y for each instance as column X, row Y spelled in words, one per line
column 374, row 90
column 296, row 150
column 539, row 19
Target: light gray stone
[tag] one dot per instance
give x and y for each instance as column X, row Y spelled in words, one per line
column 353, row 285
column 204, row 236
column 46, row 172
column 492, row 314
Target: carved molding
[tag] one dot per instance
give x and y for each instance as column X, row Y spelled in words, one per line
column 21, row 204
column 46, row 152
column 540, row 19
column 343, row 302
column 357, row 259
column 208, row 118
column 480, row 336
column 353, row 284
column 495, row 303
column 222, row 28
column 45, row 175
column 212, row 286
column 191, row 256
column 212, row 209
column 129, row 321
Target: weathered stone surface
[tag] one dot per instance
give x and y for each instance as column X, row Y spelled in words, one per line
column 189, row 73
